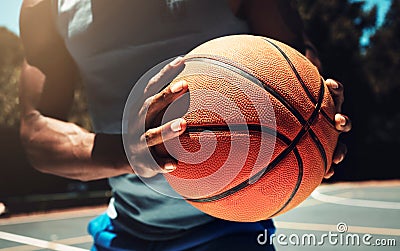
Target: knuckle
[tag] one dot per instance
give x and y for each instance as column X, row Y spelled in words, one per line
column 145, row 107
column 152, row 136
column 154, row 79
column 168, row 67
column 148, row 101
column 165, row 95
column 149, row 135
column 165, row 69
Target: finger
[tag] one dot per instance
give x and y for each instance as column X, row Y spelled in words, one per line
column 340, row 153
column 164, row 165
column 145, row 171
column 342, row 123
column 165, row 76
column 144, row 109
column 149, row 165
column 330, row 173
column 153, row 105
column 163, row 133
column 164, row 98
column 337, row 91
column 338, row 156
column 161, row 79
column 137, row 119
column 313, row 57
column 167, row 165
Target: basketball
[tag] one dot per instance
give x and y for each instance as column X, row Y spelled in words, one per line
column 260, row 129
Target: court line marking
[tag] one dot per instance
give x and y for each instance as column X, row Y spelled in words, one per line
column 69, row 241
column 310, row 202
column 333, row 228
column 52, row 216
column 360, row 184
column 354, row 202
column 37, row 242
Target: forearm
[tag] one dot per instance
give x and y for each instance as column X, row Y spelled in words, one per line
column 66, row 150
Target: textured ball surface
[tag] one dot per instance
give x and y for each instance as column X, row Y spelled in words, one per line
column 260, row 133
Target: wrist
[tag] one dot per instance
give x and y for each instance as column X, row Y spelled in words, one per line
column 30, row 116
column 108, row 149
column 312, row 55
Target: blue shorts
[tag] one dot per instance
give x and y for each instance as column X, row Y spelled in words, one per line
column 217, row 235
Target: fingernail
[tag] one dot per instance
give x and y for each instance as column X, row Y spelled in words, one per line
column 334, row 85
column 177, row 87
column 343, row 121
column 176, row 125
column 176, row 61
column 340, row 159
column 169, row 167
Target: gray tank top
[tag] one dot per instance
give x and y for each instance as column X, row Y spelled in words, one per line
column 114, row 43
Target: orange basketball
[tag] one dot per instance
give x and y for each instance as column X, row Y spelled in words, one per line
column 260, row 133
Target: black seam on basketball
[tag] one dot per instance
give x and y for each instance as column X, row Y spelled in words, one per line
column 298, row 182
column 310, row 96
column 237, row 128
column 298, row 157
column 283, row 154
column 315, row 138
column 320, row 148
column 257, row 176
column 254, row 80
column 326, row 116
column 231, row 128
column 274, row 162
column 270, row 90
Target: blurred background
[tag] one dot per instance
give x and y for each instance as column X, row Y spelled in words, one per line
column 358, row 43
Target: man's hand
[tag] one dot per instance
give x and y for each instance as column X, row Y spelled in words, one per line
column 342, row 122
column 140, row 156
